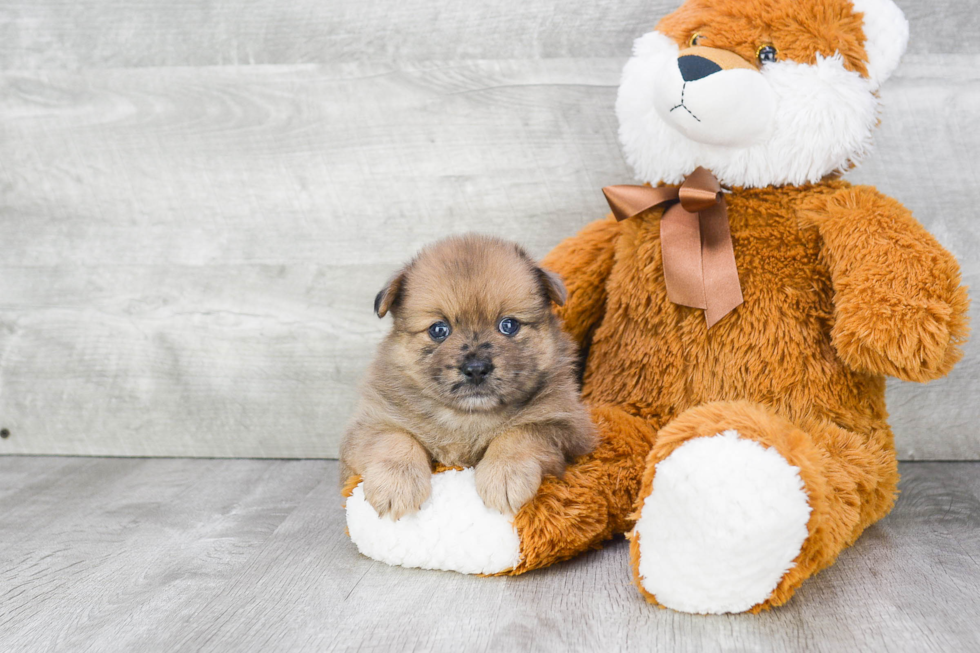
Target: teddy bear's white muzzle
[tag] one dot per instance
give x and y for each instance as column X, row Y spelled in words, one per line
column 729, row 107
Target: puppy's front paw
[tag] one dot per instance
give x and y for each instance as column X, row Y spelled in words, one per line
column 395, row 489
column 506, row 485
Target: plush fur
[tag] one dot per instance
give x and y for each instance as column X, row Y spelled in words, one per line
column 743, row 509
column 820, row 103
column 842, row 287
column 832, row 303
column 457, row 531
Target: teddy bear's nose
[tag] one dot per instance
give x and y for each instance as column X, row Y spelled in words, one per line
column 694, row 67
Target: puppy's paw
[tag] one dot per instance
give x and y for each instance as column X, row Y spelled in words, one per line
column 395, row 489
column 506, row 485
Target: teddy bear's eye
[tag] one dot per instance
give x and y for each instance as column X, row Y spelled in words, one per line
column 695, row 39
column 766, row 54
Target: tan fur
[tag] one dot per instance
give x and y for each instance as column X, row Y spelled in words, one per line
column 523, row 423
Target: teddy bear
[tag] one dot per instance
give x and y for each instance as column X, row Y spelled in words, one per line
column 737, row 314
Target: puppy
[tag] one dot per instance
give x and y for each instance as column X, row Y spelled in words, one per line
column 476, row 371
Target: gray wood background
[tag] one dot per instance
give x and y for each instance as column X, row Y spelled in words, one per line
column 198, row 201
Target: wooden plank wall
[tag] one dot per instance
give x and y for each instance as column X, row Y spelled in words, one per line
column 198, row 201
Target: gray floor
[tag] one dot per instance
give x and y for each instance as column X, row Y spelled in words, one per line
column 248, row 555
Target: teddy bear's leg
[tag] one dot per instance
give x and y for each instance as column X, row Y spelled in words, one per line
column 595, row 497
column 739, row 506
column 455, row 531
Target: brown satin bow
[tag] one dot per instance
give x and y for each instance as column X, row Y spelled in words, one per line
column 698, row 257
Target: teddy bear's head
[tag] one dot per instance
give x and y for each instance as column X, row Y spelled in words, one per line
column 761, row 92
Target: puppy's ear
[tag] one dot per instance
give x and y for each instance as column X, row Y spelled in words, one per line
column 386, row 299
column 553, row 285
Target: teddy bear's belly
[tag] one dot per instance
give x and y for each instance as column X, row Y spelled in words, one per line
column 774, row 349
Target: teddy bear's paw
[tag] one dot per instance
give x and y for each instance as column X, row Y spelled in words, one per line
column 453, row 530
column 722, row 525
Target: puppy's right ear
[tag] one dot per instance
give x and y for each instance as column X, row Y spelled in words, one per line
column 554, row 287
column 390, row 294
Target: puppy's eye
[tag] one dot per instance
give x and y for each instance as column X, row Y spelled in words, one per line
column 439, row 331
column 695, row 39
column 767, row 54
column 508, row 326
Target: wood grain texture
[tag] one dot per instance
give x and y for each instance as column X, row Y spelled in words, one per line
column 125, row 33
column 202, row 555
column 190, row 254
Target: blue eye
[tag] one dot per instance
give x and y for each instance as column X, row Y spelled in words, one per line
column 766, row 54
column 439, row 331
column 508, row 326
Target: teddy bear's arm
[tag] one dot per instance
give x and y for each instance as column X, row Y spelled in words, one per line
column 900, row 309
column 584, row 262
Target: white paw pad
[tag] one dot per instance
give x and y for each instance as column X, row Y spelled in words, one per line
column 723, row 523
column 453, row 531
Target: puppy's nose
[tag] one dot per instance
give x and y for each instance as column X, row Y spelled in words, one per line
column 476, row 370
column 694, row 67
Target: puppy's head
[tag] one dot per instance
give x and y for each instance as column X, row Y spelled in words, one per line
column 473, row 326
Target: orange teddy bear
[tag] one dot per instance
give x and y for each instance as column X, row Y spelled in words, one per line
column 738, row 328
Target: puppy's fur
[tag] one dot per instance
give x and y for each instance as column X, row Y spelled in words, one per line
column 517, row 419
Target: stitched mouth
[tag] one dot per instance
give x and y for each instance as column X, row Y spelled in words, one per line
column 684, row 106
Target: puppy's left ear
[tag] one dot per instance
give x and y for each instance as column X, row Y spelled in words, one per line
column 386, row 299
column 553, row 285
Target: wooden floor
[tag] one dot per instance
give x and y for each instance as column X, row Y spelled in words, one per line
column 246, row 555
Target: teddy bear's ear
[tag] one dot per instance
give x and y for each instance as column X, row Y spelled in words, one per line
column 886, row 35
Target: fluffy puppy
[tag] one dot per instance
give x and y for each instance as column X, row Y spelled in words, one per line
column 476, row 371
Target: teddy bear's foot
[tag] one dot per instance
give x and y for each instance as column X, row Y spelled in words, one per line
column 453, row 531
column 723, row 524
column 739, row 505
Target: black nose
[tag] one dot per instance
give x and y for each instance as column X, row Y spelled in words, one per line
column 476, row 370
column 694, row 67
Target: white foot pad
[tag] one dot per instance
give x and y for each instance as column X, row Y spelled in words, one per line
column 723, row 523
column 453, row 531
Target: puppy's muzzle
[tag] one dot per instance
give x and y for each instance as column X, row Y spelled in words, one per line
column 476, row 370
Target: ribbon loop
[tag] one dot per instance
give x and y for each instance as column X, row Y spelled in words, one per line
column 695, row 240
column 700, row 191
column 630, row 201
